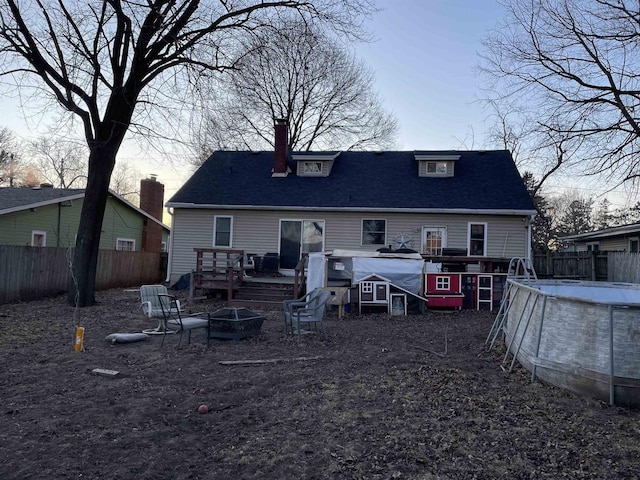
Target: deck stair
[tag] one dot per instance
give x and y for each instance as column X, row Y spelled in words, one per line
column 263, row 293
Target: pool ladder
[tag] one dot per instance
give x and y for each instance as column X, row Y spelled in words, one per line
column 520, row 268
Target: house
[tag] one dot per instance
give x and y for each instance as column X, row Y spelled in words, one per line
column 465, row 210
column 625, row 238
column 49, row 217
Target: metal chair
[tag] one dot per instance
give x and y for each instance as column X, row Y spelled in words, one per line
column 175, row 322
column 150, row 303
column 309, row 311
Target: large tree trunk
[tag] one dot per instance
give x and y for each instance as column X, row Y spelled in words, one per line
column 82, row 284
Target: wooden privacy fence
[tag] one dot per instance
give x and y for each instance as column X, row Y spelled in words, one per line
column 624, row 267
column 27, row 273
column 572, row 265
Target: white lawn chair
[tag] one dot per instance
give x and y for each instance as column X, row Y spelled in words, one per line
column 150, row 303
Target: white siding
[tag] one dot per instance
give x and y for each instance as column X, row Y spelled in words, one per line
column 609, row 244
column 258, row 231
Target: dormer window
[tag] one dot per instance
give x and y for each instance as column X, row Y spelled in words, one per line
column 311, row 167
column 435, row 165
column 437, row 168
column 314, row 164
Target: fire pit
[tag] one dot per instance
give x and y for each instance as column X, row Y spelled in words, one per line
column 235, row 323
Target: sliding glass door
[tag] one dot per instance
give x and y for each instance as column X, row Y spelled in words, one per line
column 298, row 237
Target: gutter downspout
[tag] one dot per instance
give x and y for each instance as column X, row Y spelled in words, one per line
column 170, row 247
column 529, row 223
column 59, row 223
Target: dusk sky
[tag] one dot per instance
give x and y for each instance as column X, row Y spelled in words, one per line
column 425, row 60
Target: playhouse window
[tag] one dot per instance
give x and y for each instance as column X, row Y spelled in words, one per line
column 443, row 283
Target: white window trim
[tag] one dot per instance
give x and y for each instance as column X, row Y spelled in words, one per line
column 384, row 242
column 38, row 232
column 637, row 239
column 422, row 237
column 484, row 250
column 436, row 173
column 310, row 173
column 215, row 225
column 597, row 244
column 131, row 240
column 443, row 281
column 302, row 220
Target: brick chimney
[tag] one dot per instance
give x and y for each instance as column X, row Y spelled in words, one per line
column 151, row 201
column 280, row 153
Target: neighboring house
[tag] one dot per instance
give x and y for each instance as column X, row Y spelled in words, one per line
column 49, row 217
column 625, row 238
column 472, row 204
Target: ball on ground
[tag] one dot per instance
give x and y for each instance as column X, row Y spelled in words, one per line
column 203, row 409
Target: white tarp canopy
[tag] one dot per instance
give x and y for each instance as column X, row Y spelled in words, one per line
column 403, row 270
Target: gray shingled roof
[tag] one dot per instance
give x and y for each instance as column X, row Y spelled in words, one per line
column 14, row 199
column 485, row 180
column 23, row 197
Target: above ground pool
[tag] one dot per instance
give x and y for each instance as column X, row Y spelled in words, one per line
column 582, row 336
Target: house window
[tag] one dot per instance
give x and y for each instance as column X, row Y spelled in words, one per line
column 437, row 168
column 38, row 238
column 163, row 247
column 222, row 231
column 434, row 239
column 125, row 244
column 312, row 167
column 477, row 240
column 373, row 232
column 633, row 245
column 443, row 283
column 593, row 247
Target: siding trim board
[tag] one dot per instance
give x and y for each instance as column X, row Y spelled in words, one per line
column 459, row 211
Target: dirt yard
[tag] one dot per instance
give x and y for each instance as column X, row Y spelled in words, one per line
column 386, row 399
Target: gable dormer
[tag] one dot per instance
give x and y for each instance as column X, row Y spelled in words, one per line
column 436, row 165
column 314, row 164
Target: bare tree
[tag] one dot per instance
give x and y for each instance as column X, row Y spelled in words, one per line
column 534, row 145
column 575, row 67
column 60, row 162
column 7, row 157
column 111, row 62
column 14, row 171
column 125, row 181
column 299, row 73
